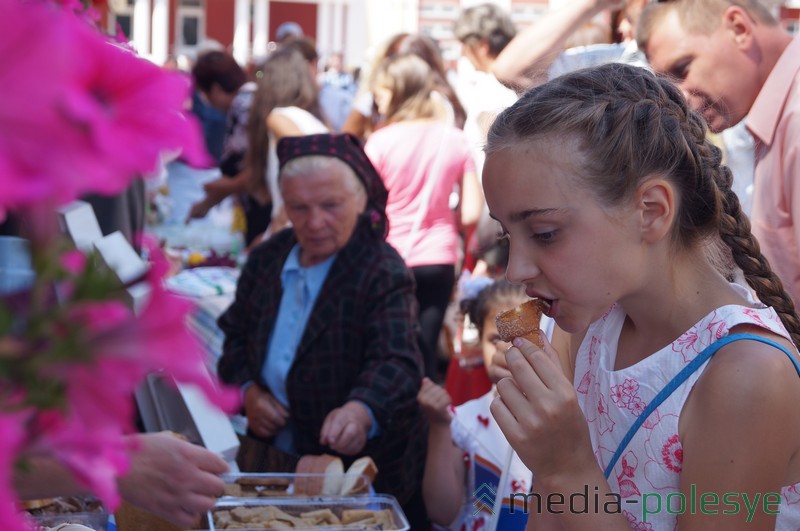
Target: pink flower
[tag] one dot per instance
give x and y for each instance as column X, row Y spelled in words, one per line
column 790, row 494
column 704, row 333
column 630, row 387
column 619, row 396
column 635, row 524
column 92, row 447
column 75, row 6
column 130, row 347
column 74, row 261
column 12, row 426
column 599, row 413
column 80, row 114
column 122, row 349
column 672, row 454
column 130, row 109
column 636, row 406
column 629, row 464
column 664, row 454
column 586, row 381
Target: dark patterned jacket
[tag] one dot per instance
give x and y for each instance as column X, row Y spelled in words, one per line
column 359, row 343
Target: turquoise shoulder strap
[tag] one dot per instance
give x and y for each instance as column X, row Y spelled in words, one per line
column 681, row 377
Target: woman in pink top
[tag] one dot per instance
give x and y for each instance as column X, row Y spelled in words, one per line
column 426, row 164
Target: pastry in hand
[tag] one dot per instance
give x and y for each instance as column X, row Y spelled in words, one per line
column 522, row 321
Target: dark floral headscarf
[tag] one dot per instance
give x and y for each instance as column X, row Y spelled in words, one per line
column 348, row 149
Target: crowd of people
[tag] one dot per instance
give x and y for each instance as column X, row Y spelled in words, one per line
column 589, row 160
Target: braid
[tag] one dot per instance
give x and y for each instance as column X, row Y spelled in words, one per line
column 734, row 229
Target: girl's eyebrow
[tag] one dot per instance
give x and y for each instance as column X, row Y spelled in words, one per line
column 525, row 214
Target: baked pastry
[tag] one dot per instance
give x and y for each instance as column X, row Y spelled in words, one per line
column 522, row 321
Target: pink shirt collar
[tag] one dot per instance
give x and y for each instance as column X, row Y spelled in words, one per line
column 764, row 115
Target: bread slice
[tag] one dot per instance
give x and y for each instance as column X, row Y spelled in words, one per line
column 354, row 482
column 333, row 469
column 326, row 479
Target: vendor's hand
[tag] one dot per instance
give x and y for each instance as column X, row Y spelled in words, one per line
column 537, row 410
column 172, row 478
column 218, row 187
column 265, row 415
column 199, row 210
column 435, row 402
column 346, row 428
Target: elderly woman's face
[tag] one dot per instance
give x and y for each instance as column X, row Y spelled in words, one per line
column 323, row 207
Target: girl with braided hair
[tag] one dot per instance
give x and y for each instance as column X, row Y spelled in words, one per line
column 672, row 401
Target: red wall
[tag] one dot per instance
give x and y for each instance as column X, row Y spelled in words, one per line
column 219, row 21
column 303, row 13
column 220, row 13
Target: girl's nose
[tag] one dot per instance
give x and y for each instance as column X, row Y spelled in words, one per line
column 521, row 267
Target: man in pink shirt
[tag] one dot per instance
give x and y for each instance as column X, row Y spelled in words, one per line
column 732, row 59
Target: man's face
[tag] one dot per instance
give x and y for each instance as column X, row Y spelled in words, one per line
column 323, row 207
column 712, row 70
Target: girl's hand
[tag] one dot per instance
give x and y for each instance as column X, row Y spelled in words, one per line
column 435, row 402
column 537, row 410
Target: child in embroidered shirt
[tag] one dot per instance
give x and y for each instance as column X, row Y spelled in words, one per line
column 466, row 449
column 611, row 197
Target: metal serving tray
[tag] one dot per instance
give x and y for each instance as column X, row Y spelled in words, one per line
column 295, row 506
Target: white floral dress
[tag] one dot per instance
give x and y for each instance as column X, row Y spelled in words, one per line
column 612, row 401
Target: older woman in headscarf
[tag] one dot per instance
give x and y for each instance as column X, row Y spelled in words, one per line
column 322, row 333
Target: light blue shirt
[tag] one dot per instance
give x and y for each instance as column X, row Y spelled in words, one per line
column 301, row 287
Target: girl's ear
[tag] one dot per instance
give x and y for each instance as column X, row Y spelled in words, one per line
column 656, row 202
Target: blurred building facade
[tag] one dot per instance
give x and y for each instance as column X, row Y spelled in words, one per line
column 356, row 28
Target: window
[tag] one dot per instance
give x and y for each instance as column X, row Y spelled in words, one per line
column 121, row 14
column 190, row 26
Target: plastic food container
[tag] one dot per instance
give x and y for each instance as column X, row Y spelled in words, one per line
column 365, row 512
column 269, row 485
